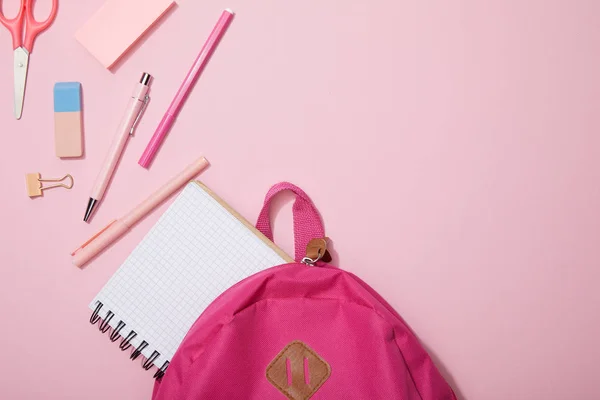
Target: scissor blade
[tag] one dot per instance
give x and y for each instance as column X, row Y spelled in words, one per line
column 21, row 65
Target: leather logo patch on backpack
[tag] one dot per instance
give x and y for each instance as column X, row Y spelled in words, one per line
column 297, row 371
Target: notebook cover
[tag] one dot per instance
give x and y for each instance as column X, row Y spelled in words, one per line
column 117, row 25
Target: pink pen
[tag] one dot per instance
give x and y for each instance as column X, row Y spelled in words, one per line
column 167, row 121
column 119, row 227
column 137, row 104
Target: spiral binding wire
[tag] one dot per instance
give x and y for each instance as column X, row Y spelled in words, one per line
column 125, row 344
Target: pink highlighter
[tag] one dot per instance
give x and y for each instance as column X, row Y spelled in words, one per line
column 185, row 88
column 137, row 104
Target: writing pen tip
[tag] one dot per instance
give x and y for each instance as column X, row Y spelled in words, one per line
column 90, row 208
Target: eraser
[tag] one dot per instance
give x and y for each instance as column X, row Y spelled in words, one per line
column 117, row 25
column 68, row 129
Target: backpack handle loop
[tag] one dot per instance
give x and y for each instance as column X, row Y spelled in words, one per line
column 307, row 221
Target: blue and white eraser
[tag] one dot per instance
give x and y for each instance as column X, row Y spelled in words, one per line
column 68, row 127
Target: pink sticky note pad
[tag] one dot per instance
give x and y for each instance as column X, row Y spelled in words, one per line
column 117, row 25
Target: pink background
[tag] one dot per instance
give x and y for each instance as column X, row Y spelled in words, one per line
column 452, row 148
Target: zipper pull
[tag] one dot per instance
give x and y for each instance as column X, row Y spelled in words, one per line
column 316, row 250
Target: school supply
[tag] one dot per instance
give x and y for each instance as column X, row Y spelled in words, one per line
column 192, row 76
column 119, row 227
column 198, row 248
column 137, row 104
column 300, row 330
column 68, row 127
column 35, row 187
column 23, row 46
column 118, row 25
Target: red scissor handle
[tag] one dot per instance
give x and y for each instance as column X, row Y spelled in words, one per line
column 15, row 25
column 32, row 27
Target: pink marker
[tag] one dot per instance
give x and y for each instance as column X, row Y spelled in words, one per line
column 167, row 121
column 119, row 227
column 137, row 104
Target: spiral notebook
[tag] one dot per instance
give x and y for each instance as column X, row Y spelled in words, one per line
column 197, row 249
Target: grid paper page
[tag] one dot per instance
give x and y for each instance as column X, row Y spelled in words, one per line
column 196, row 250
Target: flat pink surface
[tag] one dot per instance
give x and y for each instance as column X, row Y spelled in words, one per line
column 455, row 143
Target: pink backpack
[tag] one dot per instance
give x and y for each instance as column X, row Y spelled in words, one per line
column 304, row 330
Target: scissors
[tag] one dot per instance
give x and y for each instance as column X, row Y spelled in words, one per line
column 22, row 48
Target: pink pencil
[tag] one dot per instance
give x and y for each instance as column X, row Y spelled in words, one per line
column 185, row 88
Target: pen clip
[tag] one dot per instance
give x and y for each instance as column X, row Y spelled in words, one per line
column 137, row 119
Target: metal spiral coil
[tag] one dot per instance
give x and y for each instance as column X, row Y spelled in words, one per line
column 104, row 326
